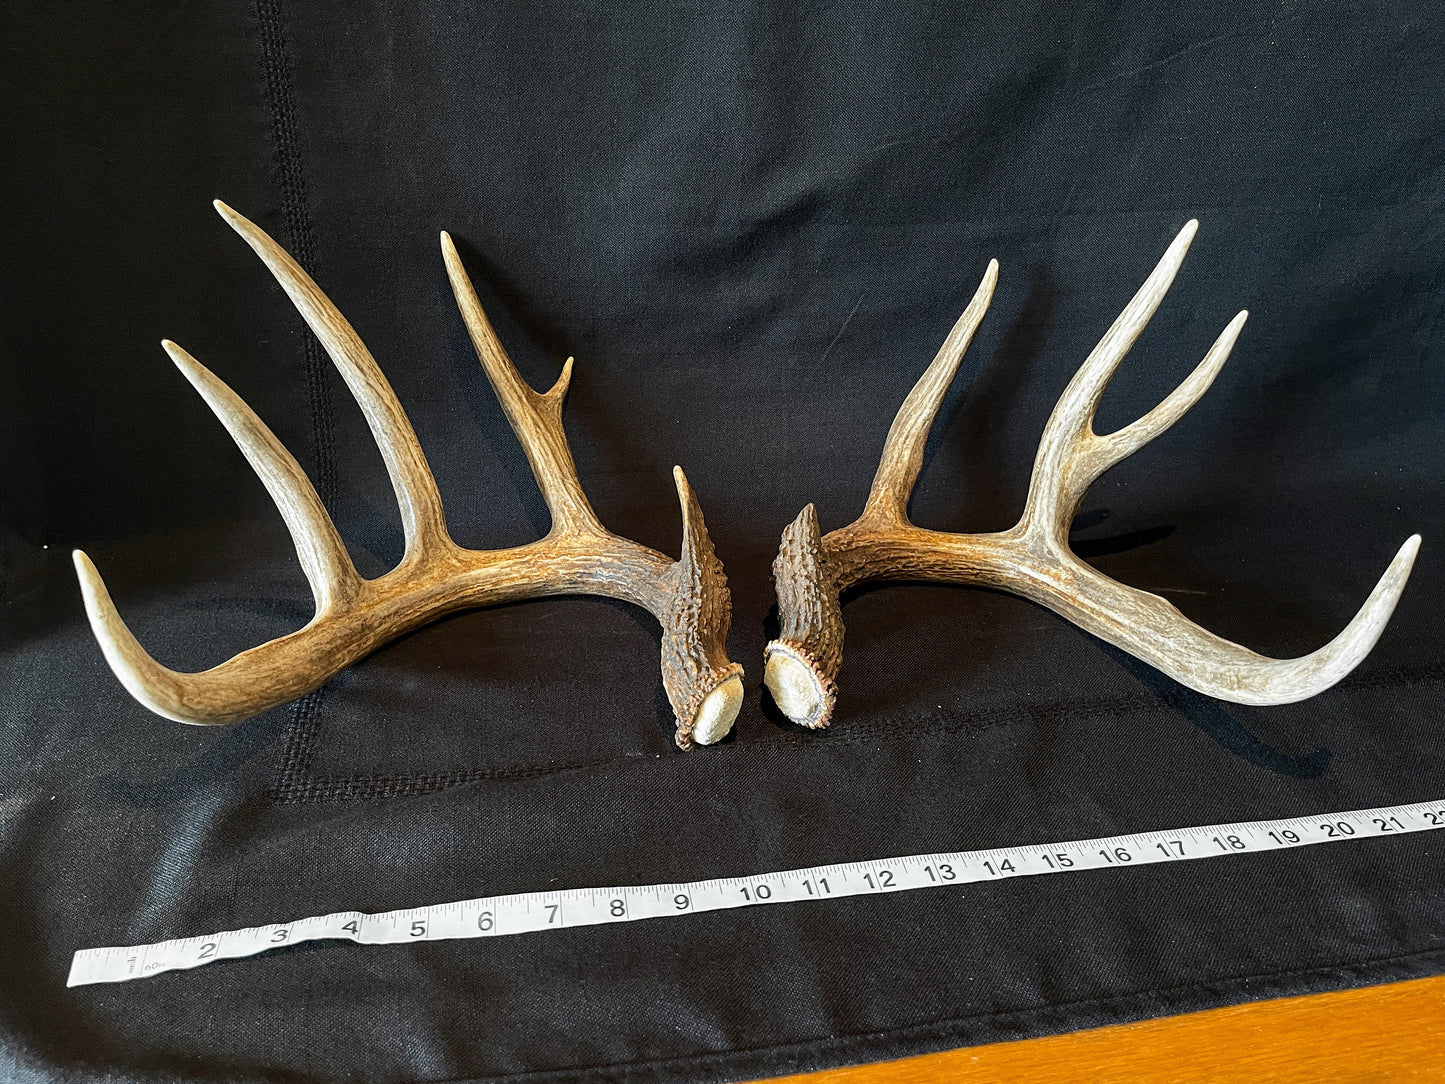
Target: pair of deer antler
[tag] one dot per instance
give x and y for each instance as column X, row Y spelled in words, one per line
column 689, row 597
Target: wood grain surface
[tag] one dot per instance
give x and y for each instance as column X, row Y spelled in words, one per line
column 1376, row 1034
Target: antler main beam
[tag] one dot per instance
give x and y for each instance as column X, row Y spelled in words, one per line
column 354, row 616
column 1032, row 558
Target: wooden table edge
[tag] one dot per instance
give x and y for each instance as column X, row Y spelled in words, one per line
column 1394, row 1032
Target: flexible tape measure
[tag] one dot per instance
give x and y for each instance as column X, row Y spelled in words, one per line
column 538, row 912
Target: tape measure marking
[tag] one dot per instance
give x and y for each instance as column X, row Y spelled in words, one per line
column 536, row 912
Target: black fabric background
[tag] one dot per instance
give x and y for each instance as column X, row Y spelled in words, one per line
column 752, row 224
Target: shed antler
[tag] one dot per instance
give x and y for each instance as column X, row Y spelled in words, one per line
column 1032, row 558
column 354, row 616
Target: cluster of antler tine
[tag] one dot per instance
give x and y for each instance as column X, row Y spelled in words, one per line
column 1032, row 558
column 354, row 616
column 689, row 597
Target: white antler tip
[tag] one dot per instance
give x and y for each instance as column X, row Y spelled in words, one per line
column 687, row 501
column 92, row 587
column 179, row 356
column 252, row 234
column 987, row 284
column 1392, row 583
column 1180, row 245
column 1349, row 648
column 190, row 368
column 558, row 391
column 452, row 259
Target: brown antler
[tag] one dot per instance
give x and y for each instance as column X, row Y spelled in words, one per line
column 1032, row 559
column 354, row 616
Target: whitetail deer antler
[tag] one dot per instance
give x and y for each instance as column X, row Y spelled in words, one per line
column 354, row 616
column 1032, row 558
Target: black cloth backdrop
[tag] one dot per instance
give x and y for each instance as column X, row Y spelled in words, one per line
column 752, row 224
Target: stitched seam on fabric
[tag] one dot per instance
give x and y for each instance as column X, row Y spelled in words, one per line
column 809, row 1045
column 292, row 784
column 303, row 734
column 304, row 729
column 276, row 65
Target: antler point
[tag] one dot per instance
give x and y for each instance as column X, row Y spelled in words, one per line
column 92, row 586
column 558, row 391
column 190, row 368
column 684, row 488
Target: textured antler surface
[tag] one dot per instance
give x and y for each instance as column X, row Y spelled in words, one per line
column 354, row 616
column 1032, row 558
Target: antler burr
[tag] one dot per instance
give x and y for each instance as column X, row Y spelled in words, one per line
column 1032, row 558
column 354, row 616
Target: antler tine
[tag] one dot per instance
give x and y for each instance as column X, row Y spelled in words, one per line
column 187, row 698
column 319, row 548
column 695, row 631
column 423, row 522
column 1105, row 451
column 902, row 457
column 1055, row 492
column 1033, row 560
column 1152, row 629
column 535, row 417
column 145, row 679
column 1071, row 424
column 238, row 688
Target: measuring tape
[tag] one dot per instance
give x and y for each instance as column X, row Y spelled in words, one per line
column 537, row 912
